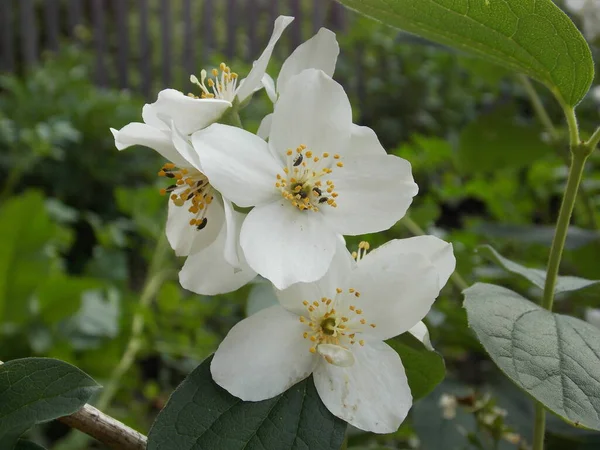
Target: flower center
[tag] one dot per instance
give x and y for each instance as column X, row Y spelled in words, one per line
column 330, row 326
column 363, row 249
column 304, row 180
column 192, row 189
column 222, row 85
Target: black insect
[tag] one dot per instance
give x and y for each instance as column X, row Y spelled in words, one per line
column 298, row 160
column 323, row 199
column 202, row 224
column 318, row 191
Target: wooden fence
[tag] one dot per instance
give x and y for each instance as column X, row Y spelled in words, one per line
column 145, row 45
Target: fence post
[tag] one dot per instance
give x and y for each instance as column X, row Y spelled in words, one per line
column 189, row 47
column 29, row 33
column 99, row 33
column 7, row 59
column 121, row 11
column 52, row 22
column 231, row 28
column 165, row 26
column 145, row 50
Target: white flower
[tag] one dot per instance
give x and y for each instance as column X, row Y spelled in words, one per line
column 593, row 316
column 319, row 52
column 319, row 177
column 449, row 404
column 334, row 329
column 200, row 222
column 218, row 93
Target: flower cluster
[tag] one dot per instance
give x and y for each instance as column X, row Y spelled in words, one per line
column 308, row 177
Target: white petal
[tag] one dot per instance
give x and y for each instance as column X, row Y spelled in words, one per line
column 286, row 245
column 233, row 224
column 374, row 193
column 263, row 355
column 264, row 129
column 186, row 239
column 364, row 141
column 184, row 147
column 315, row 111
column 238, row 164
column 336, row 355
column 269, row 84
column 593, row 316
column 338, row 274
column 254, row 78
column 438, row 252
column 372, row 394
column 142, row 134
column 421, row 332
column 319, row 52
column 395, row 293
column 208, row 273
column 189, row 114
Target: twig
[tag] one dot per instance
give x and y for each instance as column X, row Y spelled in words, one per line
column 105, row 429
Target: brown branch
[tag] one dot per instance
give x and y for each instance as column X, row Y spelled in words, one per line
column 105, row 429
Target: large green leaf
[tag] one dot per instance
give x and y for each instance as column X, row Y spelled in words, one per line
column 37, row 390
column 202, row 415
column 25, row 228
column 496, row 140
column 28, row 445
column 529, row 36
column 536, row 276
column 554, row 358
column 425, row 369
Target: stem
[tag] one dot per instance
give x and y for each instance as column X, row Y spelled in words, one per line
column 154, row 282
column 562, row 227
column 546, row 121
column 539, row 108
column 539, row 427
column 594, row 140
column 579, row 154
column 105, row 429
column 456, row 278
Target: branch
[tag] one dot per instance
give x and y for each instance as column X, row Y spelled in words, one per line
column 105, row 429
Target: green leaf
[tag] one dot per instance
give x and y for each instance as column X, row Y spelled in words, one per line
column 536, row 276
column 495, row 140
column 529, row 36
column 554, row 358
column 201, row 415
column 28, row 445
column 425, row 369
column 536, row 234
column 60, row 296
column 37, row 390
column 25, row 229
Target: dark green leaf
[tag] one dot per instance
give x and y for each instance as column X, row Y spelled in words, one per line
column 530, row 36
column 554, row 358
column 536, row 276
column 25, row 228
column 201, row 415
column 425, row 369
column 37, row 390
column 59, row 296
column 28, row 445
column 536, row 234
column 495, row 140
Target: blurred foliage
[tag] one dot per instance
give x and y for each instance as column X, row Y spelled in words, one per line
column 80, row 222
